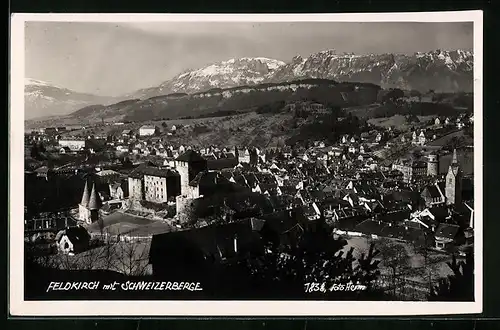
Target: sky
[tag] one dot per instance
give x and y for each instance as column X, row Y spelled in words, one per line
column 117, row 58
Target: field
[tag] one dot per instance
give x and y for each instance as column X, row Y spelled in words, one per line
column 244, row 129
column 398, row 121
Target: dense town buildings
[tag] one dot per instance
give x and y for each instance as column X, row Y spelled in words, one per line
column 352, row 186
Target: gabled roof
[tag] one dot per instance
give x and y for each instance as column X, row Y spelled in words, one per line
column 95, row 202
column 86, row 195
column 74, row 234
column 217, row 242
column 190, row 156
column 148, row 127
column 431, row 191
column 447, row 230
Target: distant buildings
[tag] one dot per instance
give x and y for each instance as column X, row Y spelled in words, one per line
column 148, row 130
column 74, row 144
column 411, row 169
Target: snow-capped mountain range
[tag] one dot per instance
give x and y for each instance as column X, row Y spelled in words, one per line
column 226, row 74
column 42, row 99
column 440, row 70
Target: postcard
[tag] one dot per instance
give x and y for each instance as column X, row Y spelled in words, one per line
column 246, row 165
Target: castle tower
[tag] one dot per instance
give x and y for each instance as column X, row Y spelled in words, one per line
column 433, row 165
column 453, row 188
column 188, row 165
column 83, row 210
column 94, row 205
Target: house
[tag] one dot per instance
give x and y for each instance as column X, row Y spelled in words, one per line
column 353, row 149
column 118, row 190
column 74, row 144
column 190, row 254
column 127, row 133
column 434, row 195
column 422, row 139
column 107, row 176
column 448, row 235
column 73, row 240
column 148, row 130
column 65, row 150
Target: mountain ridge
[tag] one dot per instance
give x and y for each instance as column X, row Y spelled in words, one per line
column 439, row 70
column 450, row 70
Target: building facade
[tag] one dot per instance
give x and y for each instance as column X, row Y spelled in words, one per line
column 73, row 144
column 411, row 170
column 147, row 130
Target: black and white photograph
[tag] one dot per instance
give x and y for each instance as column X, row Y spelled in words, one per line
column 246, row 164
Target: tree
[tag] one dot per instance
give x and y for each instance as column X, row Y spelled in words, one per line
column 34, row 152
column 460, row 285
column 131, row 258
column 164, row 124
column 431, row 263
column 313, row 256
column 396, row 259
column 41, row 147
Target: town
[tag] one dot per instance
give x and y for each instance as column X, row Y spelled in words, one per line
column 412, row 187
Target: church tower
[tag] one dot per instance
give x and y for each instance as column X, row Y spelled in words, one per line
column 453, row 188
column 95, row 204
column 83, row 211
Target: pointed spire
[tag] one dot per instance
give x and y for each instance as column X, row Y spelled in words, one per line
column 86, row 195
column 455, row 159
column 95, row 202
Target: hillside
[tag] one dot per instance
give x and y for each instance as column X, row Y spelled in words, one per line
column 229, row 101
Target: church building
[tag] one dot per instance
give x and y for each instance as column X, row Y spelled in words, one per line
column 90, row 205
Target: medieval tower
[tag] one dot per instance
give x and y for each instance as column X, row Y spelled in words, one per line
column 188, row 165
column 90, row 205
column 453, row 188
column 433, row 165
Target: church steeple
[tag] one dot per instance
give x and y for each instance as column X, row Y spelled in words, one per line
column 86, row 195
column 455, row 158
column 95, row 202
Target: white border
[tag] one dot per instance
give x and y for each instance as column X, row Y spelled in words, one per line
column 19, row 307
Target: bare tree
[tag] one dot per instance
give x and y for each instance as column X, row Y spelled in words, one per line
column 131, row 258
column 396, row 259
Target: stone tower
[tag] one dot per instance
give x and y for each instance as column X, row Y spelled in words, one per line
column 188, row 165
column 433, row 165
column 453, row 188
